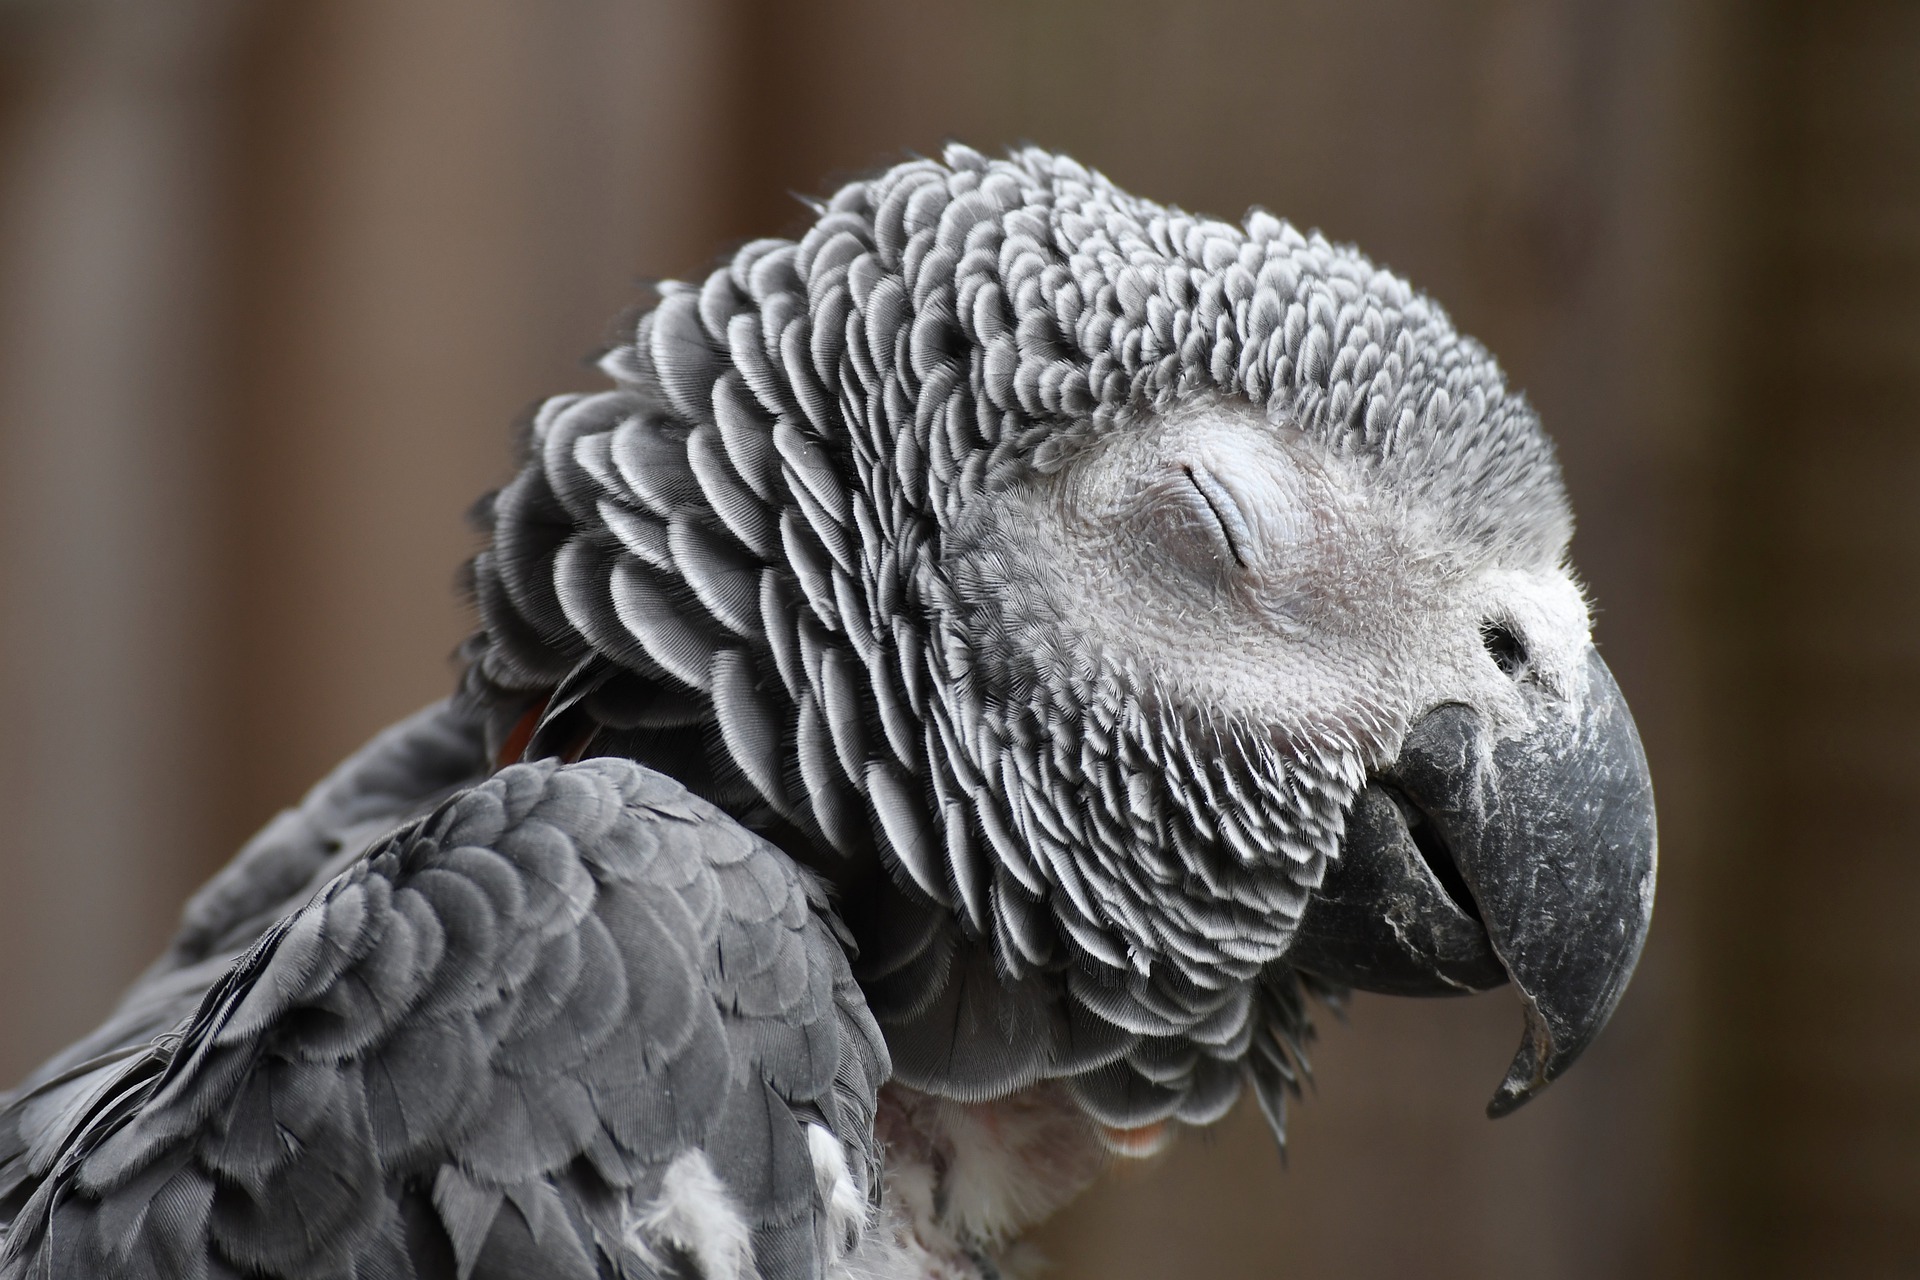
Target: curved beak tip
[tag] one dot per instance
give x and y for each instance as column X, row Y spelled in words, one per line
column 1510, row 1097
column 1531, row 1071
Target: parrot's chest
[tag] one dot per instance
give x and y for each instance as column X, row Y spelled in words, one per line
column 964, row 1180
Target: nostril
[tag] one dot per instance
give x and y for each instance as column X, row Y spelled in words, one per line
column 1505, row 648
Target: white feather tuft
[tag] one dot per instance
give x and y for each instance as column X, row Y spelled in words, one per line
column 845, row 1209
column 694, row 1214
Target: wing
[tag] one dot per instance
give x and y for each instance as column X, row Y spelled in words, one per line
column 576, row 1023
column 400, row 775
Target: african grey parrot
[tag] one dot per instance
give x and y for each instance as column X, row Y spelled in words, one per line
column 934, row 724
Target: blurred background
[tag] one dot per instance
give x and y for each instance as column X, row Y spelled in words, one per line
column 277, row 278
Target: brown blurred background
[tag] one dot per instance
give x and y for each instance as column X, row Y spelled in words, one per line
column 278, row 276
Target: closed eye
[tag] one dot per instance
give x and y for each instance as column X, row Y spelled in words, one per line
column 1226, row 514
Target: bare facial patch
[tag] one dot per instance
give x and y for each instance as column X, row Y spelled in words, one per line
column 1245, row 569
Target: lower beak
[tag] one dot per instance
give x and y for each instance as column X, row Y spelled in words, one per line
column 1471, row 861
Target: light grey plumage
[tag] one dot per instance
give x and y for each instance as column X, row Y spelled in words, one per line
column 1045, row 571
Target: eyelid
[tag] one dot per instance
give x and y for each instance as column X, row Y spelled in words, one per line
column 1226, row 512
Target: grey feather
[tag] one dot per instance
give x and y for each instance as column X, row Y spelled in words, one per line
column 912, row 839
column 724, row 579
column 652, row 460
column 750, row 725
column 843, row 706
column 746, row 515
column 681, row 640
column 747, row 435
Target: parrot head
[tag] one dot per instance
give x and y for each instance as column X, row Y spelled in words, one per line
column 1140, row 619
column 1368, row 728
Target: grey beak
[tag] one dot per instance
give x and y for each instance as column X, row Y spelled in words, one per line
column 1470, row 860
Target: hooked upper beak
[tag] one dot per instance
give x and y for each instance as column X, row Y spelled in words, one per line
column 1469, row 862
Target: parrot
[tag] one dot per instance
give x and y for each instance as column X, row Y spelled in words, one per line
column 941, row 720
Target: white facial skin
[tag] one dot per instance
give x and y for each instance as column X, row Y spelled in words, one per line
column 1253, row 572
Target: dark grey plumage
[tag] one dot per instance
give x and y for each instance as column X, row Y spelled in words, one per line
column 484, row 1051
column 399, row 775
